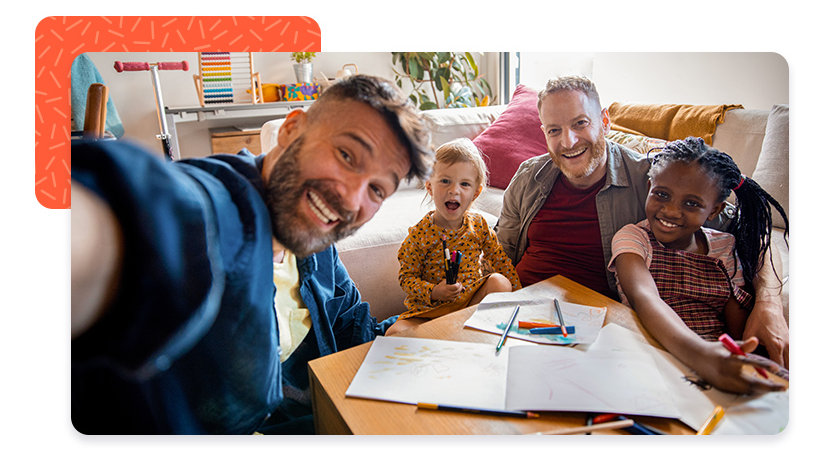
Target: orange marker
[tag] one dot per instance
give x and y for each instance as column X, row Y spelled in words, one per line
column 534, row 324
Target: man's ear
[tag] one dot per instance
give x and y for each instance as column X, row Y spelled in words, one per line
column 606, row 120
column 718, row 208
column 293, row 125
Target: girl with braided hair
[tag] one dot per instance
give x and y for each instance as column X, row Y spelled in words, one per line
column 690, row 284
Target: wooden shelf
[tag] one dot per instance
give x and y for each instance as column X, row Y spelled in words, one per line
column 233, row 139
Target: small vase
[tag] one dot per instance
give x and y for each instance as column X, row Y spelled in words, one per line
column 303, row 72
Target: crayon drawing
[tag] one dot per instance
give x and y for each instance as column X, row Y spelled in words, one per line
column 412, row 370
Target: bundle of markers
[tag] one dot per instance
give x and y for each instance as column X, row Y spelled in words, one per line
column 451, row 261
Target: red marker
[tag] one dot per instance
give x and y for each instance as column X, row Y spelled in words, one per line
column 735, row 349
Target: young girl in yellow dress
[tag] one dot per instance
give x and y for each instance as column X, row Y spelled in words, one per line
column 458, row 178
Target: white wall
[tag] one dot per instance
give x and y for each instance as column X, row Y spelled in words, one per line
column 133, row 95
column 754, row 80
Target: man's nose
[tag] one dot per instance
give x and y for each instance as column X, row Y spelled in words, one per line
column 354, row 194
column 568, row 139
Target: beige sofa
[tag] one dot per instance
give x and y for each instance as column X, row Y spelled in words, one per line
column 370, row 255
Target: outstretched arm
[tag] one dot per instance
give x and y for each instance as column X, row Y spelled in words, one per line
column 708, row 358
column 96, row 257
column 767, row 321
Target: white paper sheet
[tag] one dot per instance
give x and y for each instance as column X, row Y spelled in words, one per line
column 566, row 379
column 495, row 310
column 754, row 414
column 412, row 370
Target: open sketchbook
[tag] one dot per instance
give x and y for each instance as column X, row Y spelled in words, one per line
column 543, row 378
column 618, row 373
column 495, row 310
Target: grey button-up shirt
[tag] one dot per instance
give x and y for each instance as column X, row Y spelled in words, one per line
column 621, row 201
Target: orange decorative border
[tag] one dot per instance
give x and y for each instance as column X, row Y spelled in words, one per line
column 58, row 40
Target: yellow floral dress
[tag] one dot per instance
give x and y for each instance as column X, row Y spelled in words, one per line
column 422, row 261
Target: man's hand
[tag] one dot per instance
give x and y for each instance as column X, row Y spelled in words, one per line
column 768, row 324
column 766, row 320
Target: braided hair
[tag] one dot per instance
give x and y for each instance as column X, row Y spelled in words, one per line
column 753, row 223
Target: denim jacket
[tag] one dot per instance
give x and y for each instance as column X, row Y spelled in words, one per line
column 190, row 343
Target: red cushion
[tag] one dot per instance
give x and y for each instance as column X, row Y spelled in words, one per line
column 514, row 137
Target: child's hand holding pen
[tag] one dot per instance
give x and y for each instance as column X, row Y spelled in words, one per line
column 726, row 370
column 444, row 292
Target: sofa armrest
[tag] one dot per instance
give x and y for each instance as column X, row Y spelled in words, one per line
column 269, row 134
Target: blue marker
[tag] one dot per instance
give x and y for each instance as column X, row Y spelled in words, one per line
column 552, row 330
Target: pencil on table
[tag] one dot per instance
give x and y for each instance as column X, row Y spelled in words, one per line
column 594, row 427
column 561, row 319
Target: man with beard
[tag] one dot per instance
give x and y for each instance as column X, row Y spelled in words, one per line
column 201, row 288
column 562, row 209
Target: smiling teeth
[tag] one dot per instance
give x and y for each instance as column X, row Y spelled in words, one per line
column 320, row 209
column 571, row 155
column 667, row 224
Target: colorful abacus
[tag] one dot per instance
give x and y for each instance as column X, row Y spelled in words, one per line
column 225, row 77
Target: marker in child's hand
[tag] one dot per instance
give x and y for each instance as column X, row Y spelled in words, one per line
column 735, row 349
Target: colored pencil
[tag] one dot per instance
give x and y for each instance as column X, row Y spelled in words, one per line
column 480, row 411
column 561, row 319
column 591, row 428
column 636, row 428
column 506, row 330
column 712, row 421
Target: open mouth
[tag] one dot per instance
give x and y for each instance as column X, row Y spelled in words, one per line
column 452, row 205
column 574, row 154
column 320, row 209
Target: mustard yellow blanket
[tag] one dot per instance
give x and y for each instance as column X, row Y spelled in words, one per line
column 669, row 121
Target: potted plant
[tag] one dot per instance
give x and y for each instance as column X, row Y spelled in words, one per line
column 442, row 79
column 303, row 66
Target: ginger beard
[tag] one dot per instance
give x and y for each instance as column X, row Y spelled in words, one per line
column 286, row 194
column 595, row 157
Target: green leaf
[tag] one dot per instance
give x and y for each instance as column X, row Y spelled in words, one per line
column 444, row 56
column 444, row 84
column 414, row 68
column 428, row 105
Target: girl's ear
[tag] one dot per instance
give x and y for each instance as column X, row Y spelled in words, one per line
column 428, row 187
column 717, row 210
column 478, row 192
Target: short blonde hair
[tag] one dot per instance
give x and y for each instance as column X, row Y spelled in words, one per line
column 462, row 150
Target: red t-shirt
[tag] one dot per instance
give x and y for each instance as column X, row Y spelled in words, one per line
column 564, row 238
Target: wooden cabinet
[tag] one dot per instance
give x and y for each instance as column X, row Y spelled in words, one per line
column 232, row 140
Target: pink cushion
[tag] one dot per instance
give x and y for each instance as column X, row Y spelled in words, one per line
column 514, row 137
